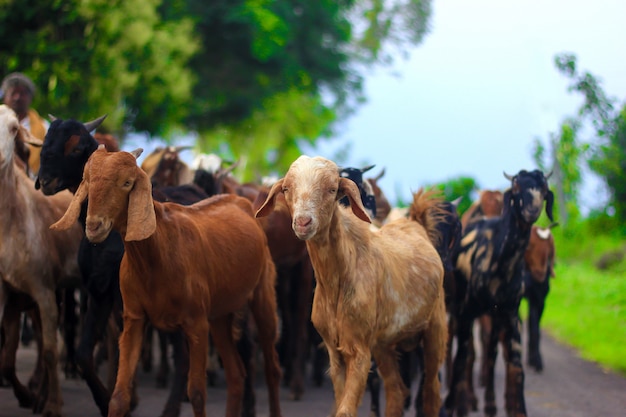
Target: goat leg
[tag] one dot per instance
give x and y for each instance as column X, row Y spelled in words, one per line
column 11, row 327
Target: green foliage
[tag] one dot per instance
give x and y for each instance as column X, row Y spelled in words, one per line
column 254, row 78
column 464, row 187
column 287, row 119
column 609, row 162
column 93, row 57
column 587, row 310
column 607, row 149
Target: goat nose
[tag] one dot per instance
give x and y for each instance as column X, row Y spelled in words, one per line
column 303, row 221
column 92, row 225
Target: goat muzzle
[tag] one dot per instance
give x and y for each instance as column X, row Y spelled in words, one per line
column 96, row 230
column 302, row 226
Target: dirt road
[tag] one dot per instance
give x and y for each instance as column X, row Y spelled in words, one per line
column 568, row 387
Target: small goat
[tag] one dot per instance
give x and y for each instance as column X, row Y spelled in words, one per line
column 375, row 290
column 489, row 274
column 539, row 259
column 223, row 265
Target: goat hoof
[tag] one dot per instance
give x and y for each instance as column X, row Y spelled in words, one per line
column 490, row 410
column 536, row 363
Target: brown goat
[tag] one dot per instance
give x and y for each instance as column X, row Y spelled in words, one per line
column 375, row 290
column 170, row 168
column 223, row 264
column 33, row 261
column 539, row 260
column 489, row 204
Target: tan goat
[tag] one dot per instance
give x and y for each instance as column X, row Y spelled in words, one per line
column 33, row 261
column 375, row 290
column 184, row 267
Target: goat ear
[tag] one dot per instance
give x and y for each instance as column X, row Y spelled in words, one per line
column 349, row 189
column 141, row 222
column 268, row 206
column 549, row 204
column 73, row 210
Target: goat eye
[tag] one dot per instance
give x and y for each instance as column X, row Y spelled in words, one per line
column 333, row 191
column 128, row 184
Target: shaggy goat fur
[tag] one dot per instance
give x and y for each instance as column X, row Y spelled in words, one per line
column 375, row 290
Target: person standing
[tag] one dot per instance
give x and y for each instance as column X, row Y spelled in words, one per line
column 18, row 91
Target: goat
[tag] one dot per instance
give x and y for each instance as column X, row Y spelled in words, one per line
column 447, row 246
column 67, row 147
column 172, row 170
column 212, row 281
column 294, row 271
column 489, row 204
column 365, row 190
column 538, row 268
column 539, row 260
column 489, row 280
column 383, row 208
column 33, row 261
column 372, row 292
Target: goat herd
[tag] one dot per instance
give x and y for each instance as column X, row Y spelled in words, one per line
column 214, row 263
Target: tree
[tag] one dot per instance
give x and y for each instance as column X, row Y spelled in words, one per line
column 94, row 57
column 566, row 152
column 464, row 187
column 607, row 149
column 254, row 77
column 273, row 75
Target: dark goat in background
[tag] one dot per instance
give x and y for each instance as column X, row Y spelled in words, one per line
column 489, row 279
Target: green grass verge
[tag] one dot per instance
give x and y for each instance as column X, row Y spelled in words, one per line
column 586, row 309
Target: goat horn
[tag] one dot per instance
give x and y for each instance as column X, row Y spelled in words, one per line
column 183, row 148
column 136, row 152
column 507, row 176
column 228, row 170
column 94, row 123
column 379, row 176
column 456, row 201
column 367, row 168
column 52, row 118
column 549, row 175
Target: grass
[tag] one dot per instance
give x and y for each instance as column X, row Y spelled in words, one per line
column 586, row 307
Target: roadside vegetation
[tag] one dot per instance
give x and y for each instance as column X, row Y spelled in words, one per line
column 586, row 306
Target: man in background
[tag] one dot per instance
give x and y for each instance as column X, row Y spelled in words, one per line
column 18, row 91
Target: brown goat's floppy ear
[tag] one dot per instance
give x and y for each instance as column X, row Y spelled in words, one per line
column 348, row 188
column 267, row 207
column 73, row 210
column 141, row 218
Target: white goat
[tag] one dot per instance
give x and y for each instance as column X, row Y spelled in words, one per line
column 33, row 259
column 375, row 290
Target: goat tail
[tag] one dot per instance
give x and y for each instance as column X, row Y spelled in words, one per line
column 427, row 210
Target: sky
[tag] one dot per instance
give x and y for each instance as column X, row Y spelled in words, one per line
column 473, row 96
column 471, row 99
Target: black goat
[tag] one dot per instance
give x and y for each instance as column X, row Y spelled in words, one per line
column 489, row 279
column 66, row 149
column 367, row 194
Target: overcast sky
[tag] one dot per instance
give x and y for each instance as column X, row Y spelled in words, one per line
column 473, row 96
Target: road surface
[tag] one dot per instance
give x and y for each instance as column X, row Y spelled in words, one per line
column 568, row 387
